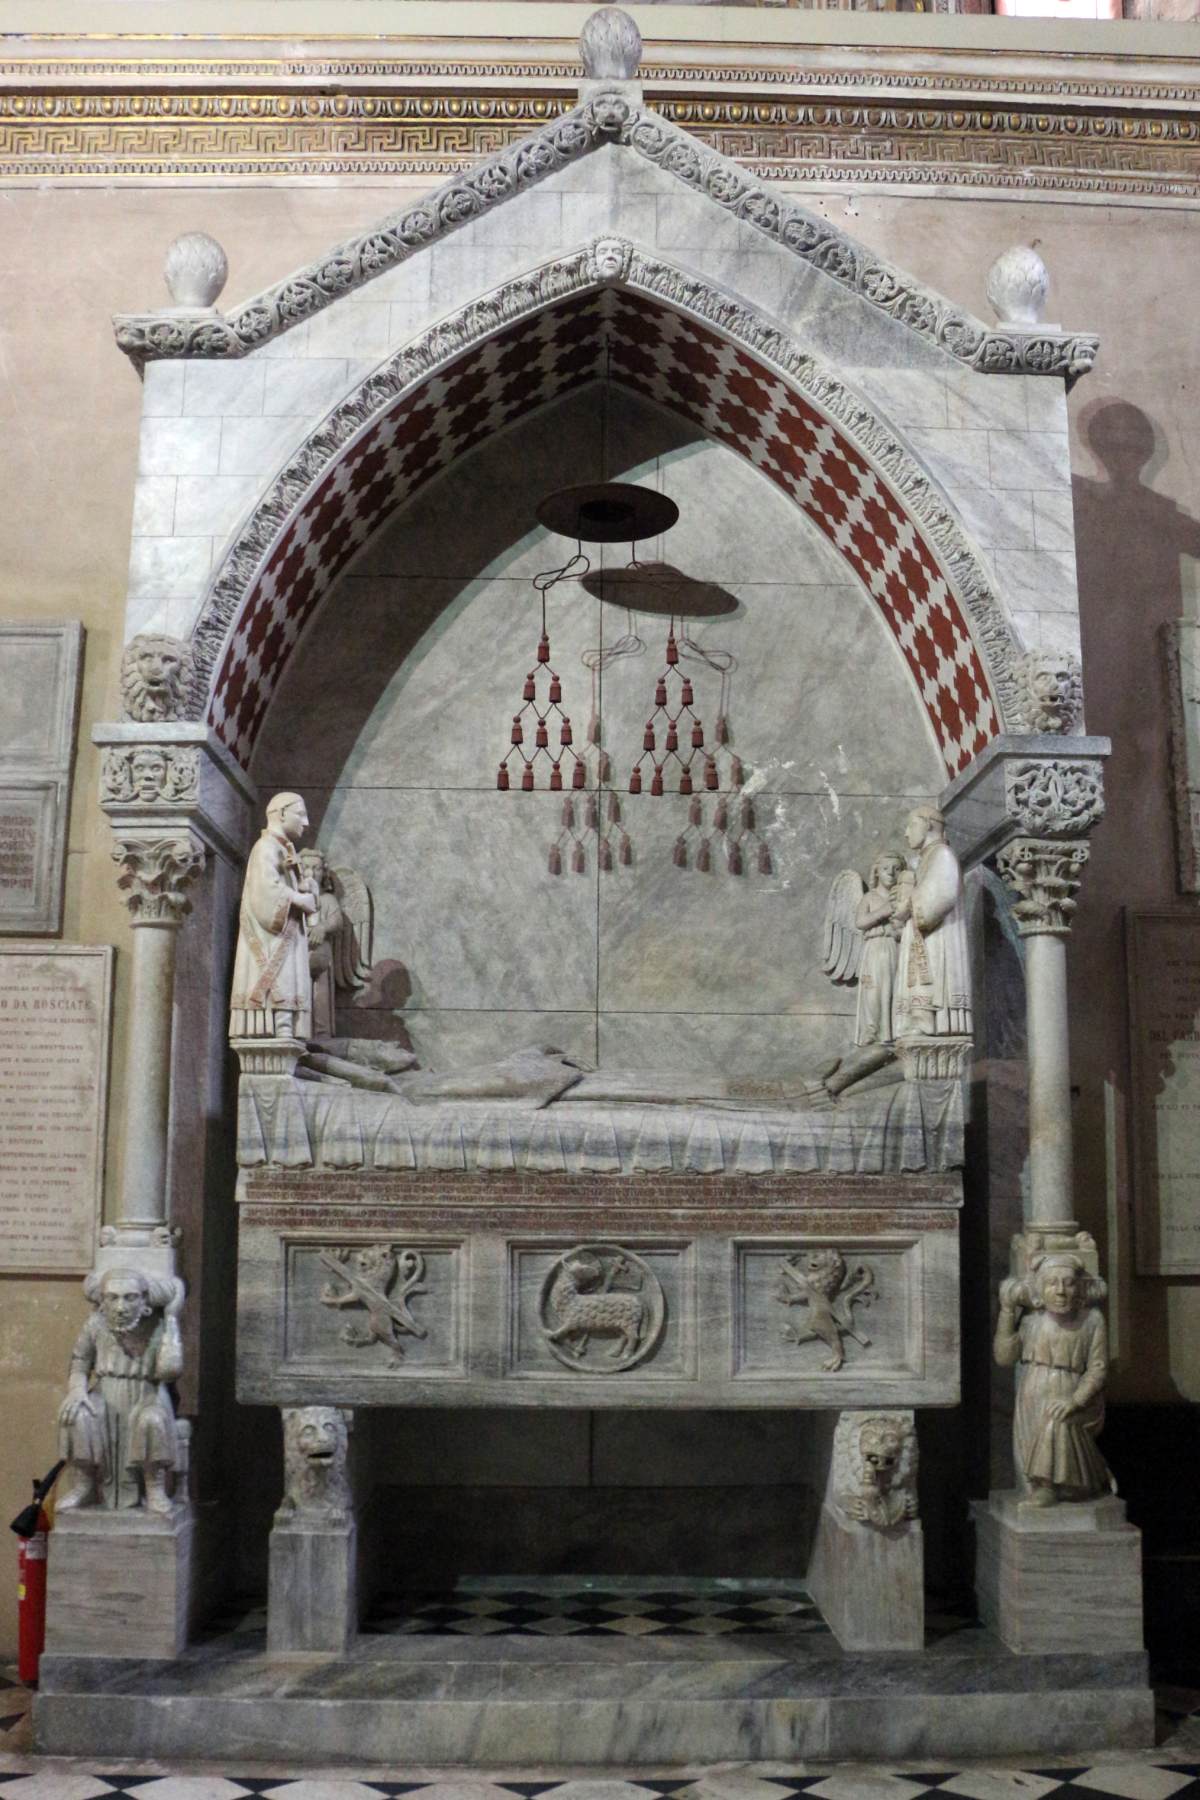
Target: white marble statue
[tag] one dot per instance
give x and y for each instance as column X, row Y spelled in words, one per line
column 339, row 937
column 863, row 925
column 933, row 977
column 1050, row 1328
column 272, row 981
column 875, row 1468
column 116, row 1426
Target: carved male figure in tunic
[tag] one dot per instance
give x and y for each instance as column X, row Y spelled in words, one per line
column 272, row 982
column 116, row 1426
column 933, row 981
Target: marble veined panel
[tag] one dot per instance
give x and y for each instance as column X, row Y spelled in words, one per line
column 673, row 939
column 466, row 911
column 726, row 1044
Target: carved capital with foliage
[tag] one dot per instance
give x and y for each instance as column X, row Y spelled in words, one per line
column 155, row 868
column 1061, row 795
column 1043, row 875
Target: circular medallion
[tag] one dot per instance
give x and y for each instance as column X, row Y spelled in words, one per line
column 608, row 512
column 602, row 1309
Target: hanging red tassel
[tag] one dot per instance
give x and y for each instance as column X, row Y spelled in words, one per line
column 555, row 778
column 593, row 730
column 648, row 736
column 764, row 860
column 722, row 729
column 679, row 857
column 604, row 767
column 590, row 814
column 555, row 860
column 580, row 774
column 721, row 815
column 660, row 693
column 696, row 812
column 704, row 858
column 614, row 810
column 578, row 860
column 697, row 736
column 527, row 780
column 656, row 785
column 544, row 649
column 555, row 692
column 564, row 736
column 541, row 737
column 502, row 778
column 605, row 854
column 736, row 776
column 686, row 692
column 748, row 813
column 568, row 814
column 735, row 859
column 685, row 782
column 530, row 688
column 518, row 736
column 672, row 736
column 626, row 849
column 672, row 650
column 635, row 782
column 710, row 773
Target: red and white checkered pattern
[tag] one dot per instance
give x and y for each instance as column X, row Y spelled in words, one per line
column 681, row 365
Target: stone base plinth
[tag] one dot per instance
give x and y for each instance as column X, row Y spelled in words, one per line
column 869, row 1583
column 935, row 1058
column 268, row 1056
column 1059, row 1578
column 312, row 1600
column 119, row 1583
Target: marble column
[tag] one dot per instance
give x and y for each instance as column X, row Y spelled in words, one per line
column 155, row 869
column 1043, row 877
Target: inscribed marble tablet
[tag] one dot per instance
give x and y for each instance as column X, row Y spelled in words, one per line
column 1163, row 951
column 54, row 1032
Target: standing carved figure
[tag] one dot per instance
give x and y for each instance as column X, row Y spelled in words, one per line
column 862, row 928
column 272, row 982
column 339, row 937
column 1050, row 1329
column 933, row 994
column 116, row 1427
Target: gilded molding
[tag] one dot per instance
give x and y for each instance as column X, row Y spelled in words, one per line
column 608, row 118
column 1051, row 137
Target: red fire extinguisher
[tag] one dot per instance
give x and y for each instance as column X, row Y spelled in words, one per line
column 32, row 1527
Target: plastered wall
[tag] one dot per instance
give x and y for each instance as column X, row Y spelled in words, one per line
column 70, row 407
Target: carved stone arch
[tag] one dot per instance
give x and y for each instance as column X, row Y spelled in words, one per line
column 684, row 344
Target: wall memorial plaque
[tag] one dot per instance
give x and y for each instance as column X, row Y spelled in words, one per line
column 1163, row 959
column 39, row 709
column 54, row 1035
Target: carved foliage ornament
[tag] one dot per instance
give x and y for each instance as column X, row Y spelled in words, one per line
column 875, row 1468
column 1043, row 876
column 521, row 298
column 1065, row 797
column 149, row 775
column 380, row 1279
column 1012, row 350
column 819, row 1281
column 602, row 1309
column 155, row 871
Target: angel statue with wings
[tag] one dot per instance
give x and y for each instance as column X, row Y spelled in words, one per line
column 864, row 922
column 339, row 937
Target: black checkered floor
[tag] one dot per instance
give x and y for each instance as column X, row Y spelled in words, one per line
column 597, row 1612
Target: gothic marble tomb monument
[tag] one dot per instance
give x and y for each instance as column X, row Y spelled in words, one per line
column 603, row 919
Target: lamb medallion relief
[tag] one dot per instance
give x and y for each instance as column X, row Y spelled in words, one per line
column 602, row 1309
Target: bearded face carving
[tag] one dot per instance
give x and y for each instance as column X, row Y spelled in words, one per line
column 156, row 678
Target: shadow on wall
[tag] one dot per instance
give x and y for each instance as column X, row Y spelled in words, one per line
column 1129, row 544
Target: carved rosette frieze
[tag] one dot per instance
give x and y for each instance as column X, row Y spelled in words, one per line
column 155, row 869
column 145, row 775
column 602, row 1309
column 1044, row 796
column 1043, row 875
